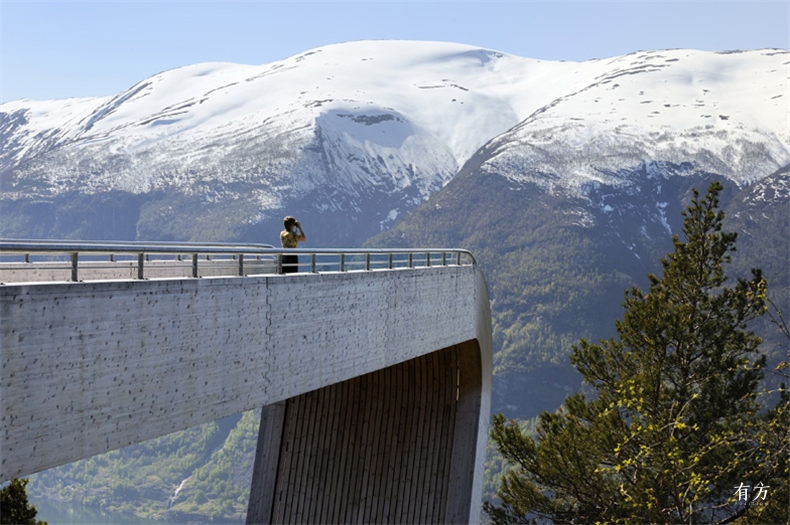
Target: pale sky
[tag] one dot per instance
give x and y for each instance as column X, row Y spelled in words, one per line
column 80, row 48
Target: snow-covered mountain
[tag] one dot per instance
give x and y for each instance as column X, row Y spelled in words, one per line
column 725, row 113
column 352, row 136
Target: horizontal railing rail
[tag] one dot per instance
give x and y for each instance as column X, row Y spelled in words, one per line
column 48, row 260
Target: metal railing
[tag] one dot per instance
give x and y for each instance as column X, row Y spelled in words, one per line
column 47, row 260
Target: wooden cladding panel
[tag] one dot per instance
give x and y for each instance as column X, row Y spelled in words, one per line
column 376, row 448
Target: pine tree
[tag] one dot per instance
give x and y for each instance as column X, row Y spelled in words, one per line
column 674, row 431
column 14, row 508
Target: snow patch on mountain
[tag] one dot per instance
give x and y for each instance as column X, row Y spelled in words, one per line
column 726, row 113
column 409, row 112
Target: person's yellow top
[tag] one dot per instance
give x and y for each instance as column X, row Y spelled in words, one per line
column 288, row 239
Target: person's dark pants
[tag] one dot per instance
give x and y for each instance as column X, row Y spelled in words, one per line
column 290, row 263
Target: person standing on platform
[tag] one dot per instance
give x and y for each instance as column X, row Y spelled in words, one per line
column 290, row 237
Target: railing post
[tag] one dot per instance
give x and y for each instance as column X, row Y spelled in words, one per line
column 279, row 268
column 367, row 262
column 342, row 262
column 241, row 265
column 195, row 265
column 389, row 261
column 74, row 264
column 312, row 263
column 140, row 265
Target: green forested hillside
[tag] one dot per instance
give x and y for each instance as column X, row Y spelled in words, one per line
column 761, row 216
column 211, row 463
column 540, row 268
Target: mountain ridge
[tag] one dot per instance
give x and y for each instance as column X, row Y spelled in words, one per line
column 375, row 127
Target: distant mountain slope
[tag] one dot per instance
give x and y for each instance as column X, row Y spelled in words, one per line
column 558, row 266
column 358, row 132
column 579, row 202
column 723, row 113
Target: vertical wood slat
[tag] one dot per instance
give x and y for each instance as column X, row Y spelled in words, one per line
column 354, row 450
column 403, row 468
column 283, row 470
column 431, row 502
column 375, row 448
column 444, row 366
column 390, row 459
column 330, row 444
column 341, row 452
column 338, row 484
column 441, row 437
column 305, row 431
column 385, row 444
column 368, row 424
column 448, row 426
column 290, row 495
column 406, row 410
column 431, row 376
column 437, row 463
column 445, row 436
column 376, row 442
column 312, row 454
column 417, row 481
column 422, row 479
column 314, row 493
column 327, row 446
column 290, row 510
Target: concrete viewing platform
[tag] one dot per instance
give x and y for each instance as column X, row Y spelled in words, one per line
column 372, row 368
